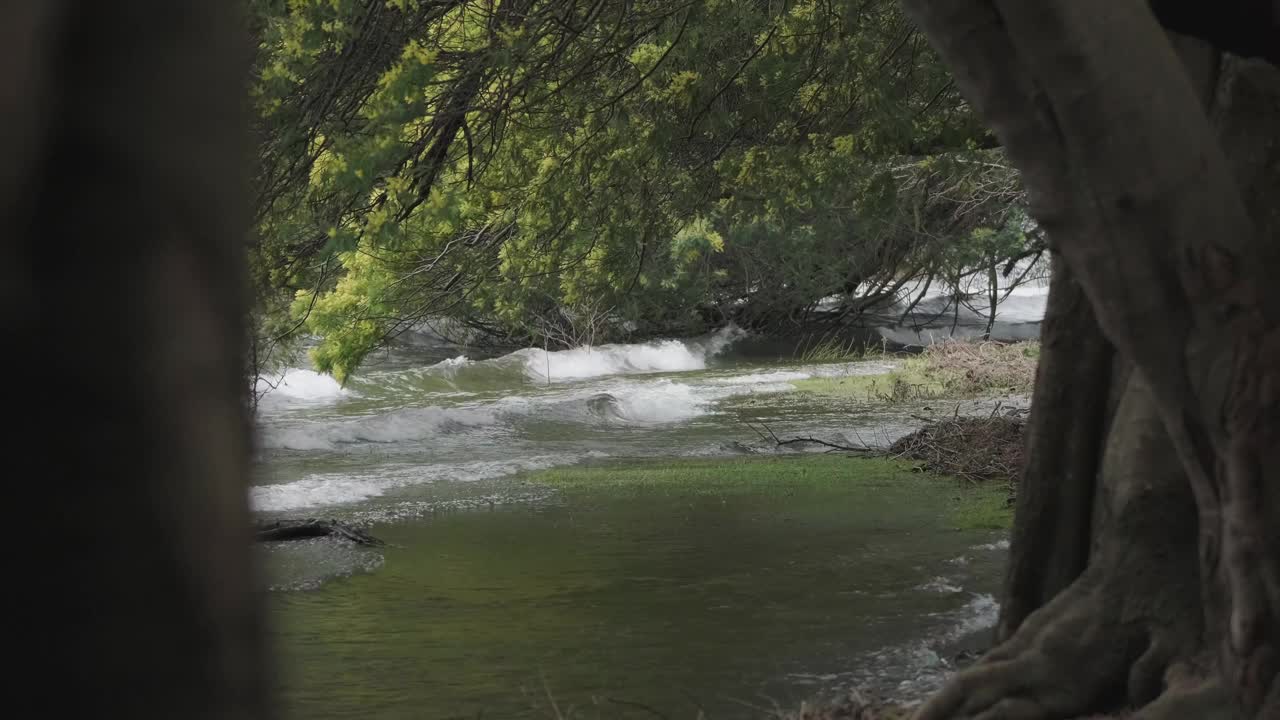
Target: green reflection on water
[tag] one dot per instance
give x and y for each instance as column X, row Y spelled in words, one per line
column 709, row 584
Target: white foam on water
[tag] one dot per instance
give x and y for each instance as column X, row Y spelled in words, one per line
column 309, row 564
column 777, row 376
column 461, row 373
column 666, row 401
column 980, row 613
column 643, row 403
column 940, row 585
column 299, row 386
column 581, row 363
column 997, row 545
column 315, row 491
column 395, row 426
column 330, row 489
column 857, row 368
column 762, row 389
column 603, row 360
column 649, row 402
column 720, row 392
column 914, row 669
column 660, row 403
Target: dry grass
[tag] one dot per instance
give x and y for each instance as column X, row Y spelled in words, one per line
column 830, row 347
column 975, row 449
column 950, row 369
column 969, row 368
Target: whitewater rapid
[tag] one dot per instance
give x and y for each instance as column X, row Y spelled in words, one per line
column 394, row 435
column 408, row 441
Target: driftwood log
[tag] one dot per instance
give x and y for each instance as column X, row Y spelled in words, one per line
column 312, row 528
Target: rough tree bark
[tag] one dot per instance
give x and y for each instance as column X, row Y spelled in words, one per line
column 1146, row 559
column 1064, row 438
column 124, row 211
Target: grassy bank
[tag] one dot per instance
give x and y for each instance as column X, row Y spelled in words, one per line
column 968, row 506
column 950, row 369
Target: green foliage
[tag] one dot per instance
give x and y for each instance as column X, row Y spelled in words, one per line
column 345, row 316
column 512, row 165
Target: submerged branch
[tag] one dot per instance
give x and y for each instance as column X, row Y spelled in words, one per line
column 311, row 528
column 833, row 446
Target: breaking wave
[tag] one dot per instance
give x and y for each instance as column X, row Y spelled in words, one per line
column 330, row 489
column 396, row 426
column 296, row 386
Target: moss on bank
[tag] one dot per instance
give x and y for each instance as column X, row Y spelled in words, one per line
column 719, row 476
column 969, row 506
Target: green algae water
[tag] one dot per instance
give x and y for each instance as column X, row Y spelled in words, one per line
column 617, row 542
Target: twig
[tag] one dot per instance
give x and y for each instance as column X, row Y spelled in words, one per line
column 756, row 431
column 775, row 437
column 834, row 446
column 859, row 436
column 547, row 689
column 702, row 712
column 641, row 706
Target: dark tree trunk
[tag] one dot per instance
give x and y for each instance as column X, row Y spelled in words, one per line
column 1065, row 433
column 1145, row 566
column 123, row 207
column 993, row 293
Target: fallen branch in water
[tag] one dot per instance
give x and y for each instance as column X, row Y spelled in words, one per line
column 762, row 436
column 833, row 446
column 771, row 437
column 312, row 528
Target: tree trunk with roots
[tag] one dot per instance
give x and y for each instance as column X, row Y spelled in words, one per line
column 1145, row 563
column 123, row 206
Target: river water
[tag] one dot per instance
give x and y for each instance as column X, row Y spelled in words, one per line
column 503, row 598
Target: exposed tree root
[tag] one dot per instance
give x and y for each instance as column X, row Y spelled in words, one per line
column 1113, row 638
column 1201, row 699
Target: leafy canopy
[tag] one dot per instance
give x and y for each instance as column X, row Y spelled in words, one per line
column 531, row 168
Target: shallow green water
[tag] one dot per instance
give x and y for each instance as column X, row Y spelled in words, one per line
column 497, row 590
column 680, row 601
